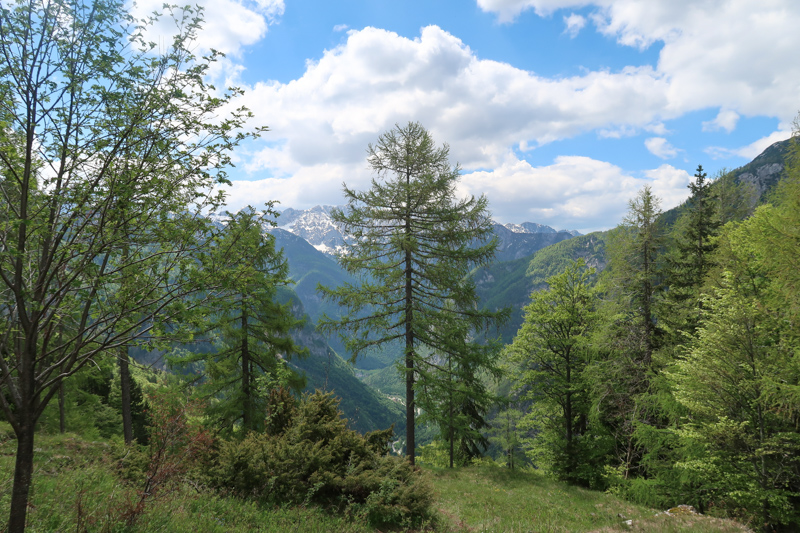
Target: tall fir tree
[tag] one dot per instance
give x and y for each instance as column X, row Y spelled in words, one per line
column 412, row 242
column 630, row 336
column 691, row 256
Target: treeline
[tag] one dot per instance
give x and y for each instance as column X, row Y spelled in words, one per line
column 672, row 377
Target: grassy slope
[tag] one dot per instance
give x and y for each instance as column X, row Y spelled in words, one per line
column 74, row 477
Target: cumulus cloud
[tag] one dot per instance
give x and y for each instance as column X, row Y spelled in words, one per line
column 660, row 147
column 321, row 123
column 229, row 25
column 575, row 192
column 725, row 120
column 574, row 24
column 378, row 78
column 705, row 55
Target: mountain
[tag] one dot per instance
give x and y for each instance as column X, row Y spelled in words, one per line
column 315, row 226
column 510, row 283
column 317, row 229
column 766, row 170
column 518, row 240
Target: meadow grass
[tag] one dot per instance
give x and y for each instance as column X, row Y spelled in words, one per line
column 491, row 498
column 78, row 487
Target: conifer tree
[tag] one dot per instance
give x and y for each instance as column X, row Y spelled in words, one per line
column 453, row 393
column 692, row 254
column 250, row 327
column 412, row 242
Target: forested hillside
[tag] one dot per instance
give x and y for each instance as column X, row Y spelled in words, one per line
column 168, row 364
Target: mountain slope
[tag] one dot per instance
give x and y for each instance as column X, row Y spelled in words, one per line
column 510, row 283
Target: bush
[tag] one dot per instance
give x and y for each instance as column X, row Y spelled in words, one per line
column 314, row 459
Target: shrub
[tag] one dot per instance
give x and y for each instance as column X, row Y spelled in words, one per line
column 315, row 459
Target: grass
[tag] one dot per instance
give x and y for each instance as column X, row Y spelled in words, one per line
column 490, row 498
column 77, row 487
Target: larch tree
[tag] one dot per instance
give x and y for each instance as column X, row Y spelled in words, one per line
column 250, row 327
column 412, row 243
column 97, row 116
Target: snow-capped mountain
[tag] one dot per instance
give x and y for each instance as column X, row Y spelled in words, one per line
column 533, row 227
column 315, row 226
column 516, row 240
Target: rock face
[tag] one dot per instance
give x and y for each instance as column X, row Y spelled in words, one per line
column 314, row 226
column 517, row 240
column 766, row 170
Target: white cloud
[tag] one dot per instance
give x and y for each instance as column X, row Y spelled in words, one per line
column 228, row 25
column 340, row 27
column 657, row 128
column 660, row 147
column 377, row 78
column 574, row 24
column 736, row 55
column 751, row 150
column 574, row 192
column 322, row 122
column 725, row 120
column 617, row 132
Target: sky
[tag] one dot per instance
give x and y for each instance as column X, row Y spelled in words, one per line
column 559, row 111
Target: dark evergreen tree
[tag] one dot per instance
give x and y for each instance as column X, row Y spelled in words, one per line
column 623, row 373
column 691, row 256
column 412, row 242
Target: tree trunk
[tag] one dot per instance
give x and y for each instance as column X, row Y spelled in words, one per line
column 125, row 393
column 23, row 470
column 247, row 421
column 62, row 415
column 410, row 404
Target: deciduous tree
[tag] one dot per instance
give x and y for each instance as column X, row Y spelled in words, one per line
column 98, row 115
column 552, row 351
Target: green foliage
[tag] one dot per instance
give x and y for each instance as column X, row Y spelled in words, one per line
column 250, row 327
column 691, row 257
column 118, row 149
column 551, row 353
column 507, row 434
column 510, row 283
column 316, row 459
column 727, row 380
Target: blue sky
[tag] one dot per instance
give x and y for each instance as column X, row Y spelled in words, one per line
column 559, row 111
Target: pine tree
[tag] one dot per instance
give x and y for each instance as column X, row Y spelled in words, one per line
column 412, row 242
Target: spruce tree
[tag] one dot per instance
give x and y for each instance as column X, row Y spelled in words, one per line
column 412, row 242
column 692, row 254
